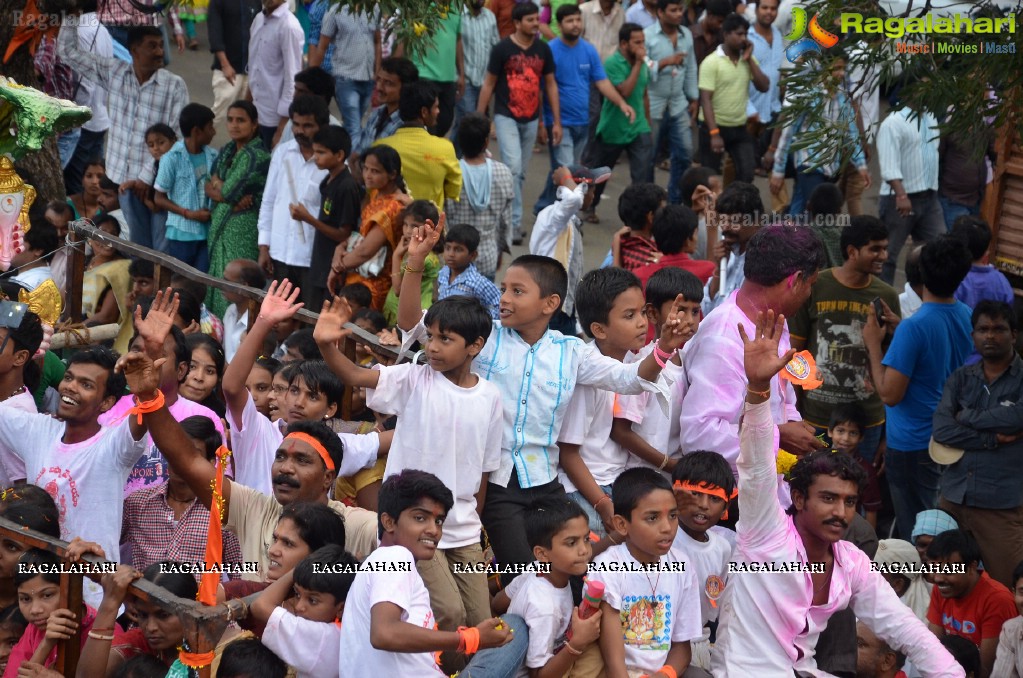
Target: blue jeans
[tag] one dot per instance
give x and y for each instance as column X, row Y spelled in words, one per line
column 806, row 182
column 191, row 252
column 148, row 229
column 913, row 479
column 569, row 152
column 679, row 132
column 501, row 662
column 353, row 98
column 596, row 524
column 516, row 140
column 954, row 210
column 463, row 107
column 67, row 142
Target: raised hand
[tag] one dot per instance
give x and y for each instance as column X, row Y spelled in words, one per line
column 675, row 331
column 279, row 304
column 424, row 239
column 760, row 354
column 115, row 586
column 155, row 327
column 491, row 636
column 141, row 372
column 330, row 327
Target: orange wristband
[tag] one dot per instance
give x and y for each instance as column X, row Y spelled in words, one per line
column 715, row 131
column 668, row 671
column 469, row 639
column 146, row 407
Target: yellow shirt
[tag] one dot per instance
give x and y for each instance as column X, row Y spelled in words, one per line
column 428, row 164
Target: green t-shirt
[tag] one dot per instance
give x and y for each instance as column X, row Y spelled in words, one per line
column 831, row 321
column 729, row 81
column 614, row 127
column 431, row 269
column 554, row 14
column 438, row 61
column 52, row 374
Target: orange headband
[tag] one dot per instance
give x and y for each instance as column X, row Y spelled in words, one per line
column 706, row 488
column 316, row 445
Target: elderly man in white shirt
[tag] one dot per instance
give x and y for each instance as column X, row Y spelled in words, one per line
column 276, row 40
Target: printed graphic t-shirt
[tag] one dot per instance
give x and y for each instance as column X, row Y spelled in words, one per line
column 520, row 74
column 976, row 617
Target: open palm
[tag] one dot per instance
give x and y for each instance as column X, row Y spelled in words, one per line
column 280, row 302
column 330, row 326
column 760, row 354
column 157, row 324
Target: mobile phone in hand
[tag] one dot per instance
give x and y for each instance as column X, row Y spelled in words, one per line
column 878, row 310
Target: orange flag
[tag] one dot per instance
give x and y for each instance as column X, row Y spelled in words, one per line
column 32, row 26
column 214, row 539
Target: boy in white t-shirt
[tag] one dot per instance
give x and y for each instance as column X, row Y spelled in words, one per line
column 704, row 486
column 446, row 424
column 609, row 302
column 651, row 608
column 388, row 626
column 558, row 531
column 308, row 635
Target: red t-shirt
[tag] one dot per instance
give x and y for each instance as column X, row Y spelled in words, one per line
column 979, row 615
column 701, row 269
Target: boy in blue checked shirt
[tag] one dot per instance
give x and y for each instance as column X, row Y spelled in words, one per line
column 459, row 275
column 180, row 187
column 536, row 370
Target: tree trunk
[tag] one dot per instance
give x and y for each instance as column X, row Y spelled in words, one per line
column 41, row 169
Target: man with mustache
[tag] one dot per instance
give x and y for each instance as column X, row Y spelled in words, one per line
column 770, row 623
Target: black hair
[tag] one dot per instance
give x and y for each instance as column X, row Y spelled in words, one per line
column 568, row 10
column 777, row 251
column 691, row 178
column 662, row 5
column 403, row 68
column 142, row 666
column 202, row 428
column 415, row 96
column 249, row 658
column 825, row 199
column 137, row 34
column 32, row 507
column 289, row 370
column 42, row 237
column 861, row 231
column 523, row 9
column 944, row 264
column 11, row 616
column 596, row 294
column 319, row 82
column 337, row 584
column 625, row 34
column 373, row 317
column 106, row 184
column 973, row 231
column 718, row 8
column 466, row 234
column 182, row 353
column 215, row 400
column 358, row 293
column 248, row 107
column 251, row 273
column 334, row 138
column 1017, row 574
column 310, row 104
column 318, row 525
column 107, row 359
column 421, row 211
column 848, row 413
column 189, row 306
column 742, row 199
column 49, row 563
column 673, row 227
column 271, row 365
column 705, row 467
column 995, row 310
column 634, row 484
column 639, row 201
column 404, row 489
column 473, row 133
column 549, row 275
column 465, row 316
column 734, row 22
column 546, row 517
column 913, row 274
column 108, row 219
column 27, row 337
column 303, row 342
column 954, row 541
column 320, row 379
column 142, row 268
column 669, row 282
column 966, row 654
column 194, row 116
column 163, row 129
column 389, row 160
column 96, row 161
column 181, row 584
column 825, row 463
column 325, row 436
column 61, row 207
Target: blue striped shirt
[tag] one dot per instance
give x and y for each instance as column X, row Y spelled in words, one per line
column 770, row 58
column 469, row 283
column 479, row 35
column 908, row 150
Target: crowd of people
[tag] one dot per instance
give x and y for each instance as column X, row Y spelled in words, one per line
column 733, row 449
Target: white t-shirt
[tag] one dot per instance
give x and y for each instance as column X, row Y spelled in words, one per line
column 13, row 467
column 85, row 479
column 587, row 423
column 452, row 432
column 657, row 610
column 358, row 657
column 548, row 613
column 255, row 440
column 710, row 564
column 235, row 324
column 310, row 647
column 648, row 417
column 152, row 468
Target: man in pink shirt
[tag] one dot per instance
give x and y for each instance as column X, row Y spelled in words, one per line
column 770, row 621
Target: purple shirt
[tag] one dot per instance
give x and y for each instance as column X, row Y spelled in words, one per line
column 984, row 281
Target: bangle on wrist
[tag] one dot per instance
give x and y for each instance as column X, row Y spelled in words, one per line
column 571, row 650
column 664, row 463
column 715, row 131
column 763, row 394
column 601, row 501
column 100, row 636
column 414, row 270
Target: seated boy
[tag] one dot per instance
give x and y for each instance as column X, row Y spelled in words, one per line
column 388, row 625
column 650, row 614
column 846, row 428
column 459, row 274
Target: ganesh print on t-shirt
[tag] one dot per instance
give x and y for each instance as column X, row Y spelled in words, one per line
column 60, row 485
column 523, row 73
column 646, row 622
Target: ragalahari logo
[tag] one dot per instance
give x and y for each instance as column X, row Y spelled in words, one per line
column 817, row 39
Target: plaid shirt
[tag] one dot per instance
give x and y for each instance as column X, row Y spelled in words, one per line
column 469, row 283
column 479, row 35
column 121, row 13
column 376, row 118
column 493, row 223
column 149, row 526
column 133, row 107
column 353, row 37
column 58, row 78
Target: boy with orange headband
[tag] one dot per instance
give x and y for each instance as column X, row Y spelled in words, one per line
column 704, row 486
